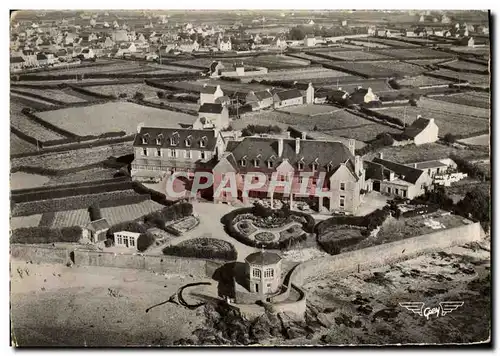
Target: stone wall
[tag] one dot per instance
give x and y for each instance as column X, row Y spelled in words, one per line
column 380, row 255
column 40, row 254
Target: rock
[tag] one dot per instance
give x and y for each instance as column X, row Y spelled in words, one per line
column 294, row 333
column 329, row 310
column 261, row 328
column 324, row 320
column 327, row 339
column 365, row 309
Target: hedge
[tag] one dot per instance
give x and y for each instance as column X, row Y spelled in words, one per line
column 95, row 212
column 91, row 93
column 26, row 137
column 203, row 247
column 47, row 219
column 420, row 211
column 144, row 241
column 132, row 226
column 69, row 185
column 169, row 213
column 156, row 196
column 38, row 234
column 370, row 221
column 472, row 169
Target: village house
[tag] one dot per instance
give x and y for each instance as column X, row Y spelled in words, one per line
column 435, row 167
column 16, row 63
column 263, row 273
column 119, row 36
column 95, row 231
column 212, row 115
column 288, row 160
column 260, row 99
column 162, row 151
column 88, row 53
column 363, row 96
column 395, row 179
column 224, row 44
column 188, row 46
column 126, row 239
column 422, row 131
column 288, row 98
column 309, row 41
column 209, row 93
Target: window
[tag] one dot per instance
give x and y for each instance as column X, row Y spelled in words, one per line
column 158, row 152
column 396, row 191
column 342, row 201
column 255, row 179
column 187, row 154
column 256, row 163
column 144, row 151
column 173, row 153
column 119, row 240
column 256, row 273
column 202, row 143
column 269, row 273
column 314, row 166
column 342, row 186
column 203, row 155
column 243, row 162
column 132, row 242
column 329, row 167
column 144, row 140
column 158, row 141
column 282, row 178
column 188, row 142
column 389, row 190
column 404, row 193
column 173, row 141
column 301, row 179
column 125, row 240
column 300, row 166
column 269, row 164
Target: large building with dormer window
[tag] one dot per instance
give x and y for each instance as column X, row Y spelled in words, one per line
column 162, row 151
column 343, row 171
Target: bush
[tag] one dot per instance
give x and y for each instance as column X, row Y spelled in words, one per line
column 122, row 95
column 34, row 235
column 203, row 247
column 370, row 221
column 138, row 95
column 251, row 130
column 160, row 94
column 472, row 169
column 167, row 214
column 144, row 241
column 476, row 203
column 449, row 138
column 95, row 212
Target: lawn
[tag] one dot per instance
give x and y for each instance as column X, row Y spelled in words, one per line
column 485, row 51
column 113, row 117
column 469, row 99
column 453, row 108
column 21, row 180
column 428, row 152
column 29, row 127
column 275, row 62
column 349, row 85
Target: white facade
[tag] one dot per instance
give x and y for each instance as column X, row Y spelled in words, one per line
column 126, row 239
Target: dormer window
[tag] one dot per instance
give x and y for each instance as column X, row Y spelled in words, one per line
column 256, row 162
column 243, row 161
column 314, row 166
column 187, row 141
column 159, row 139
column 203, row 141
column 300, row 166
column 174, row 140
column 329, row 167
column 145, row 139
column 270, row 164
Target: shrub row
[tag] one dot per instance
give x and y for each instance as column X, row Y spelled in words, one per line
column 28, row 112
column 203, row 247
column 260, row 129
column 74, row 191
column 169, row 213
column 145, row 240
column 37, row 96
column 67, row 203
column 472, row 169
column 230, row 79
column 390, row 119
column 370, row 221
column 156, row 196
column 39, row 234
column 165, row 106
column 91, row 93
column 335, row 246
column 420, row 211
column 64, row 141
column 128, row 200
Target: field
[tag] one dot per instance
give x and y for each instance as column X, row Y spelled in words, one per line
column 111, row 67
column 22, row 180
column 450, row 118
column 350, row 84
column 428, row 152
column 355, row 55
column 122, row 213
column 413, row 53
column 423, row 81
column 475, row 99
column 17, row 222
column 363, row 133
column 482, row 51
column 369, row 44
column 463, row 77
column 128, row 89
column 186, row 105
column 426, row 62
column 18, row 145
column 301, row 74
column 406, row 68
column 481, row 140
column 52, row 94
column 113, row 117
column 79, row 217
column 390, row 43
column 83, row 176
column 370, row 70
column 74, row 158
column 310, row 109
column 457, row 64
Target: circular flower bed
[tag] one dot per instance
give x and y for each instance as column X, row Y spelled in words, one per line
column 264, row 236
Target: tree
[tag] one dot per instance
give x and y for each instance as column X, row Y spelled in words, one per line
column 144, row 241
column 95, row 212
column 297, row 33
column 160, row 94
column 138, row 95
column 315, row 128
column 449, row 138
column 476, row 203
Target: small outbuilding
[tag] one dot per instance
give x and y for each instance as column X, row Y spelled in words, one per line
column 263, row 272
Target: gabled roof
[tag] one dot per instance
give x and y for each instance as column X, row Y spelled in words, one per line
column 41, row 56
column 416, row 127
column 408, row 174
column 16, row 60
column 263, row 94
column 98, row 225
column 289, row 94
column 208, row 89
column 211, row 108
column 194, row 137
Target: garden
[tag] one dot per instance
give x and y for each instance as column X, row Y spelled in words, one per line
column 203, row 247
column 261, row 226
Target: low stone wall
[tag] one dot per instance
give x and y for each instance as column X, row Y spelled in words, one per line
column 297, row 307
column 385, row 254
column 40, row 254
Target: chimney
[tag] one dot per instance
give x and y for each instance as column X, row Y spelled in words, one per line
column 414, row 165
column 280, row 147
column 304, row 135
column 381, row 155
column 352, row 145
column 357, row 164
column 297, row 145
column 139, row 127
column 288, row 134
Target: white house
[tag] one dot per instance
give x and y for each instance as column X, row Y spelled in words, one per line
column 288, row 98
column 208, row 94
column 422, row 131
column 126, row 239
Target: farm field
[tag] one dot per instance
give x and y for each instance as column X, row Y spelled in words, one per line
column 390, row 43
column 453, row 108
column 78, row 217
column 447, row 122
column 22, row 180
column 310, row 109
column 463, row 77
column 113, row 117
column 413, row 53
column 18, row 145
column 369, row 44
column 186, row 105
column 74, row 158
column 301, row 74
column 52, row 94
column 457, row 64
column 355, row 55
column 83, row 176
column 481, row 140
column 426, row 62
column 369, row 70
column 481, row 51
column 402, row 67
column 31, row 102
column 469, row 99
column 122, row 213
column 17, row 222
column 363, row 133
column 377, row 85
column 428, row 152
column 29, row 127
column 112, row 67
column 233, row 86
column 128, row 89
column 423, row 81
column 275, row 62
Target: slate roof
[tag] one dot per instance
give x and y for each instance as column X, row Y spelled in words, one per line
column 406, row 173
column 429, row 164
column 263, row 258
column 416, row 127
column 264, row 149
column 16, row 60
column 98, row 225
column 211, row 108
column 263, row 94
column 41, row 56
column 289, row 94
column 150, row 134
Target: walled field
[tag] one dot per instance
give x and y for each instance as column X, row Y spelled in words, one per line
column 463, row 77
column 391, row 43
column 122, row 213
column 402, row 67
column 438, row 106
column 482, row 140
column 275, row 62
column 18, row 145
column 74, row 158
column 363, row 133
column 29, row 127
column 79, row 217
column 52, row 94
column 354, row 55
column 457, row 64
column 426, row 62
column 186, row 105
column 17, row 222
column 469, row 99
column 310, row 109
column 129, row 89
column 113, row 117
column 377, row 85
column 369, row 70
column 301, row 74
column 22, row 180
column 369, row 44
column 111, row 67
column 83, row 176
column 422, row 81
column 485, row 51
column 413, row 53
